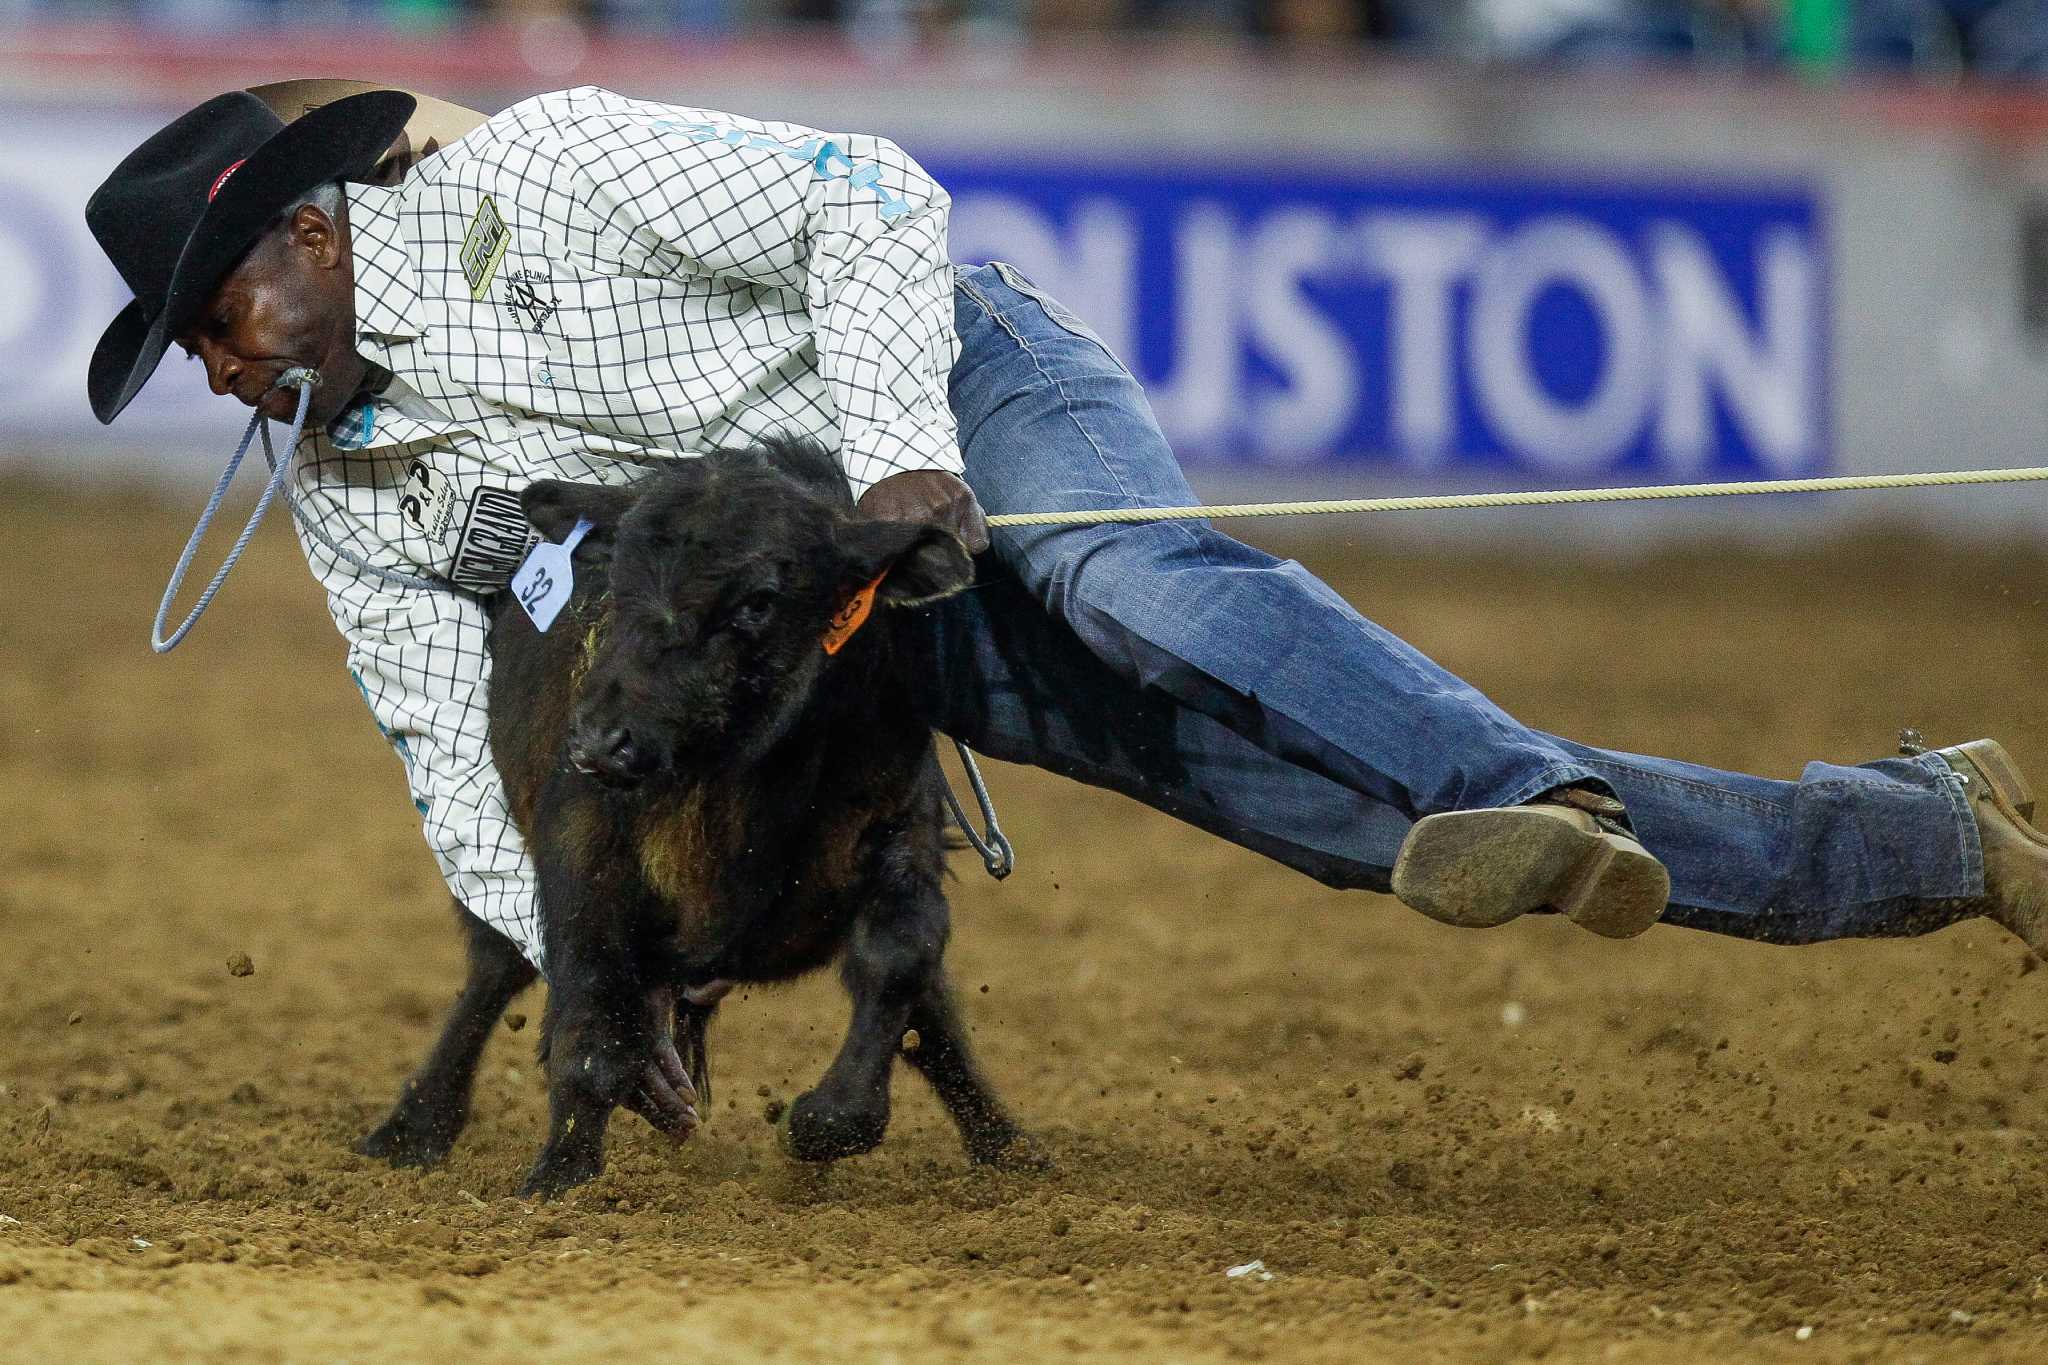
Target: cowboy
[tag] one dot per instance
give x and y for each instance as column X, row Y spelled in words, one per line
column 586, row 283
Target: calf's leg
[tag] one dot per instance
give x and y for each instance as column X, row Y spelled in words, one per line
column 943, row 1057
column 433, row 1105
column 605, row 1043
column 895, row 972
column 583, row 1052
column 890, row 955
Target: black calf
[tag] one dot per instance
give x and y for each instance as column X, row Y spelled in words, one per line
column 724, row 771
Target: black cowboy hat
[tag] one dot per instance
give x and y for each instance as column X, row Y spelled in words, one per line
column 184, row 207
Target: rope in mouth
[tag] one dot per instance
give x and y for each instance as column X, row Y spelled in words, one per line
column 300, row 378
column 305, row 380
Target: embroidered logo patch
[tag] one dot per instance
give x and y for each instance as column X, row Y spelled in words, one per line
column 529, row 301
column 483, row 248
column 495, row 540
column 427, row 501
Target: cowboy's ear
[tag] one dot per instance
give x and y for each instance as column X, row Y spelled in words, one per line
column 315, row 232
column 917, row 562
column 553, row 507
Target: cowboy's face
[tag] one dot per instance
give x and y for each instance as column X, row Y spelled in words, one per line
column 289, row 302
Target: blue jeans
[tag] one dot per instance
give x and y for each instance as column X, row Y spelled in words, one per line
column 1239, row 693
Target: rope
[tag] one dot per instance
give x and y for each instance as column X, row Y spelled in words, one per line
column 1535, row 498
column 303, row 380
column 318, row 532
column 994, row 848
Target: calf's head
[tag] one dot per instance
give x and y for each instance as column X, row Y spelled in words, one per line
column 726, row 574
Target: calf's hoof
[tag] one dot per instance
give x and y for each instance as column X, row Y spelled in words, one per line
column 1013, row 1150
column 412, row 1136
column 815, row 1130
column 557, row 1173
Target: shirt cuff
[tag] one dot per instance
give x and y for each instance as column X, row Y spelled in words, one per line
column 896, row 447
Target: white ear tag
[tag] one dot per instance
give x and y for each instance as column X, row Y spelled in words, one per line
column 545, row 580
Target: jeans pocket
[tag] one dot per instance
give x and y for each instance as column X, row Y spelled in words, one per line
column 1055, row 311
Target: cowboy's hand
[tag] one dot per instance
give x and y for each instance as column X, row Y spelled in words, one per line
column 931, row 496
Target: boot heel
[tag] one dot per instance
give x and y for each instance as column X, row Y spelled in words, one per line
column 1621, row 890
column 1994, row 767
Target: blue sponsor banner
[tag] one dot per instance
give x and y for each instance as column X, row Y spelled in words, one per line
column 1437, row 321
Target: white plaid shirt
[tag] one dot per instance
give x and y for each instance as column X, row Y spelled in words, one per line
column 585, row 282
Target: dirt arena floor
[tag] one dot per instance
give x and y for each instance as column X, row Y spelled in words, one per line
column 1443, row 1145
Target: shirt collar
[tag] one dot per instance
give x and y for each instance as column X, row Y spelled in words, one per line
column 388, row 302
column 396, row 416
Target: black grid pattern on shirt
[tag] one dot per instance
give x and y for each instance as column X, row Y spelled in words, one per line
column 693, row 292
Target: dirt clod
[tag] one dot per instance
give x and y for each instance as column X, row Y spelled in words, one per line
column 241, row 964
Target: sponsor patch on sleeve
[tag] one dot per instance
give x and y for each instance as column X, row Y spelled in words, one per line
column 495, row 540
column 483, row 247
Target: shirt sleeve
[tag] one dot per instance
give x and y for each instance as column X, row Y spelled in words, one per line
column 422, row 662
column 850, row 222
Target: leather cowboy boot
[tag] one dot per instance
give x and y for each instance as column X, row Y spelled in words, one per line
column 2015, row 853
column 1568, row 850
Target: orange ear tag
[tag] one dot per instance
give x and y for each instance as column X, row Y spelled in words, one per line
column 852, row 616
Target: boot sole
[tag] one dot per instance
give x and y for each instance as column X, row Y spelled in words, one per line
column 1481, row 868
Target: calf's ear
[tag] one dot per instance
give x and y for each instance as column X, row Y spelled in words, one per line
column 917, row 563
column 553, row 508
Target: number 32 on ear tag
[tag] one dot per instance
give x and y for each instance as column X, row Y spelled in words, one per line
column 545, row 580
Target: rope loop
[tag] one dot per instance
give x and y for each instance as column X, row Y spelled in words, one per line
column 994, row 847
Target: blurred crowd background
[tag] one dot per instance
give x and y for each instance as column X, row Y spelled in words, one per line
column 1925, row 39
